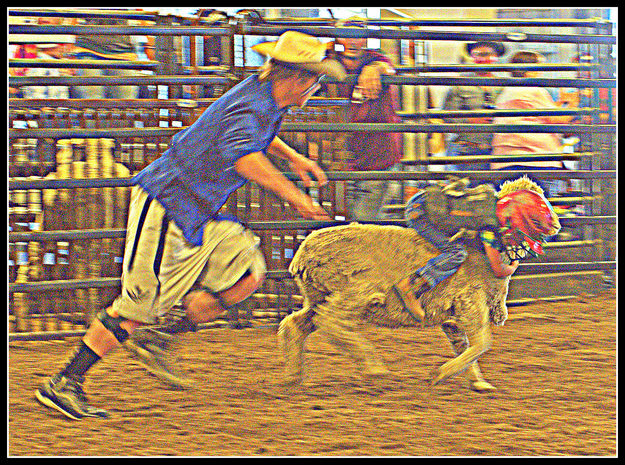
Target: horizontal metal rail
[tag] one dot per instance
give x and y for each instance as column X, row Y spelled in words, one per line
column 399, row 208
column 517, row 37
column 16, row 103
column 592, row 23
column 459, row 159
column 472, row 68
column 74, row 183
column 61, row 133
column 574, row 199
column 121, row 30
column 495, row 81
column 476, row 174
column 45, row 335
column 455, row 68
column 214, row 69
column 497, row 67
column 111, row 14
column 76, row 234
column 433, row 160
column 527, row 301
column 524, row 269
column 315, row 224
column 535, row 268
column 62, row 334
column 146, row 15
column 87, row 64
column 98, row 104
column 498, row 113
column 347, row 32
column 315, row 31
column 120, row 233
column 429, row 128
column 572, row 244
column 96, row 283
column 18, row 81
column 103, row 133
column 44, row 286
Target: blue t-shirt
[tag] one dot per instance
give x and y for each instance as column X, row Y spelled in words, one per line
column 196, row 174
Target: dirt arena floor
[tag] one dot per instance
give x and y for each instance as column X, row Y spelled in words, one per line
column 554, row 365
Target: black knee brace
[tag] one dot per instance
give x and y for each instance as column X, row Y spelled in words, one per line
column 113, row 324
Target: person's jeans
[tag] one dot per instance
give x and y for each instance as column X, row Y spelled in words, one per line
column 454, row 150
column 366, row 198
column 453, row 254
column 101, row 92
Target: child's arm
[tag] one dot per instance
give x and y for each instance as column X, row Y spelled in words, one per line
column 499, row 267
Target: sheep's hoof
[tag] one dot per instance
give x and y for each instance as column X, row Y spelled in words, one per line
column 292, row 380
column 482, row 386
column 376, row 372
column 438, row 376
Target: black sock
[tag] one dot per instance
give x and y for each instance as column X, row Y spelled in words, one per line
column 83, row 359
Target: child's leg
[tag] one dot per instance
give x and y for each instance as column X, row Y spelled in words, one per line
column 452, row 253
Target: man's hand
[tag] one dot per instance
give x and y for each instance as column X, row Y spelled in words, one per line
column 302, row 166
column 500, row 269
column 299, row 163
column 256, row 167
column 309, row 209
column 370, row 81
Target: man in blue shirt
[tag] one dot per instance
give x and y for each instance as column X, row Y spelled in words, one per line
column 178, row 246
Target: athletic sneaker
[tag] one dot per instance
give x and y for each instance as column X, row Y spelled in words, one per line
column 66, row 395
column 152, row 349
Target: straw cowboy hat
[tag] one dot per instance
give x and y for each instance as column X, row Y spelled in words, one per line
column 302, row 51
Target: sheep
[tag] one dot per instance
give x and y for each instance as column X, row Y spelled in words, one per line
column 346, row 273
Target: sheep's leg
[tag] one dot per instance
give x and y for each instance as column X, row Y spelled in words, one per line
column 459, row 343
column 342, row 333
column 292, row 333
column 478, row 333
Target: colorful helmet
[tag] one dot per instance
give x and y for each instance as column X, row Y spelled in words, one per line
column 526, row 219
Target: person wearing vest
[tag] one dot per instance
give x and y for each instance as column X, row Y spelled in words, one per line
column 444, row 212
column 370, row 101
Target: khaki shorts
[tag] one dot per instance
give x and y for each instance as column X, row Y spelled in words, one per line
column 161, row 266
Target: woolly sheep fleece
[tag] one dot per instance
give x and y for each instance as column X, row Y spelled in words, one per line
column 346, row 275
column 356, row 265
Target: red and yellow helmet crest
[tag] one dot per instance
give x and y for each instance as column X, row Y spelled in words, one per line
column 526, row 219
